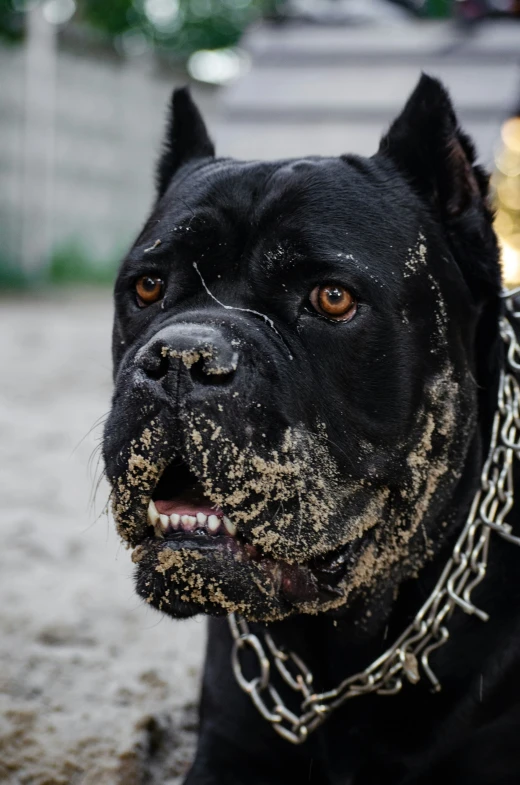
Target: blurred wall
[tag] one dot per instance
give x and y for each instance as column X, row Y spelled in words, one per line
column 311, row 90
column 11, row 125
column 108, row 117
column 335, row 89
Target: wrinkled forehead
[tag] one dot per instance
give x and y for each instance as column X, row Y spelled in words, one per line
column 317, row 198
column 329, row 214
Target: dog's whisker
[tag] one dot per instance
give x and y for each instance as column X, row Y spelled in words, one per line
column 96, row 424
column 97, row 519
column 95, row 488
column 96, row 455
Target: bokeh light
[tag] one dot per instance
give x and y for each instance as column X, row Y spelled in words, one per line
column 221, row 66
column 58, row 12
column 506, row 181
column 161, row 13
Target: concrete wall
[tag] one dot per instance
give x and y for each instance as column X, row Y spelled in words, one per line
column 108, row 121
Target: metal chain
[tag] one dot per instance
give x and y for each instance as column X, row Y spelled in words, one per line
column 409, row 656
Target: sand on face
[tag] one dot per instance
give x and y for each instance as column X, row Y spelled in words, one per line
column 95, row 687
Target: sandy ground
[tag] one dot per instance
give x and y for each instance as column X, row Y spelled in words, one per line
column 94, row 687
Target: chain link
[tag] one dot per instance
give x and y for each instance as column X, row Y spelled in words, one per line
column 466, row 568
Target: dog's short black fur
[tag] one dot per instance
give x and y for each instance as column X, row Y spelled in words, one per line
column 345, row 451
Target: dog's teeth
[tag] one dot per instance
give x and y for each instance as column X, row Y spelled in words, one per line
column 154, row 519
column 189, row 522
column 230, row 527
column 153, row 515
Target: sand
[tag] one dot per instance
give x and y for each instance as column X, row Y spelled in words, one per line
column 95, row 686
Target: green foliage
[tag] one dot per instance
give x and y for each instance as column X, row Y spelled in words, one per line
column 11, row 22
column 176, row 26
column 72, row 263
column 113, row 17
column 11, row 276
column 438, row 8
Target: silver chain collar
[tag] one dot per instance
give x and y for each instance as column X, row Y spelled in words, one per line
column 409, row 655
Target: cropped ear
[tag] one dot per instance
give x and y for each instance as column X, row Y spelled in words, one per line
column 186, row 138
column 428, row 147
column 436, row 157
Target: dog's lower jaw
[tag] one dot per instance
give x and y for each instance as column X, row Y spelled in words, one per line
column 201, row 574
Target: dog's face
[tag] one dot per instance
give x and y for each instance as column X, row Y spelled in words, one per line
column 295, row 389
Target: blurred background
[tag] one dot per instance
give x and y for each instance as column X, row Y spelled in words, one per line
column 84, row 84
column 94, row 687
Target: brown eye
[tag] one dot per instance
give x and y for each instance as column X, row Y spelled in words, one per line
column 149, row 290
column 334, row 301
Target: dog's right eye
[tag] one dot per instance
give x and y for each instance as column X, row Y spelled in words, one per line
column 333, row 301
column 148, row 290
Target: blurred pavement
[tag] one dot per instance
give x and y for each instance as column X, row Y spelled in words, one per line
column 95, row 687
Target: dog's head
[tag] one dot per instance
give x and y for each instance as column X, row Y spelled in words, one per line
column 296, row 367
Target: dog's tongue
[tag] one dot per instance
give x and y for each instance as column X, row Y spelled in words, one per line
column 190, row 502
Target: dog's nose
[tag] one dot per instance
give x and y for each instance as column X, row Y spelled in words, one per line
column 207, row 354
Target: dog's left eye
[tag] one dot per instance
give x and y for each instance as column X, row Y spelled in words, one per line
column 333, row 301
column 148, row 290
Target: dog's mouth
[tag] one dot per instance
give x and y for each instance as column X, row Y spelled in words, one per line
column 187, row 536
column 179, row 511
column 178, row 507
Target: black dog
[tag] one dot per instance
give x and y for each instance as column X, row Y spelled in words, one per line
column 307, row 359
